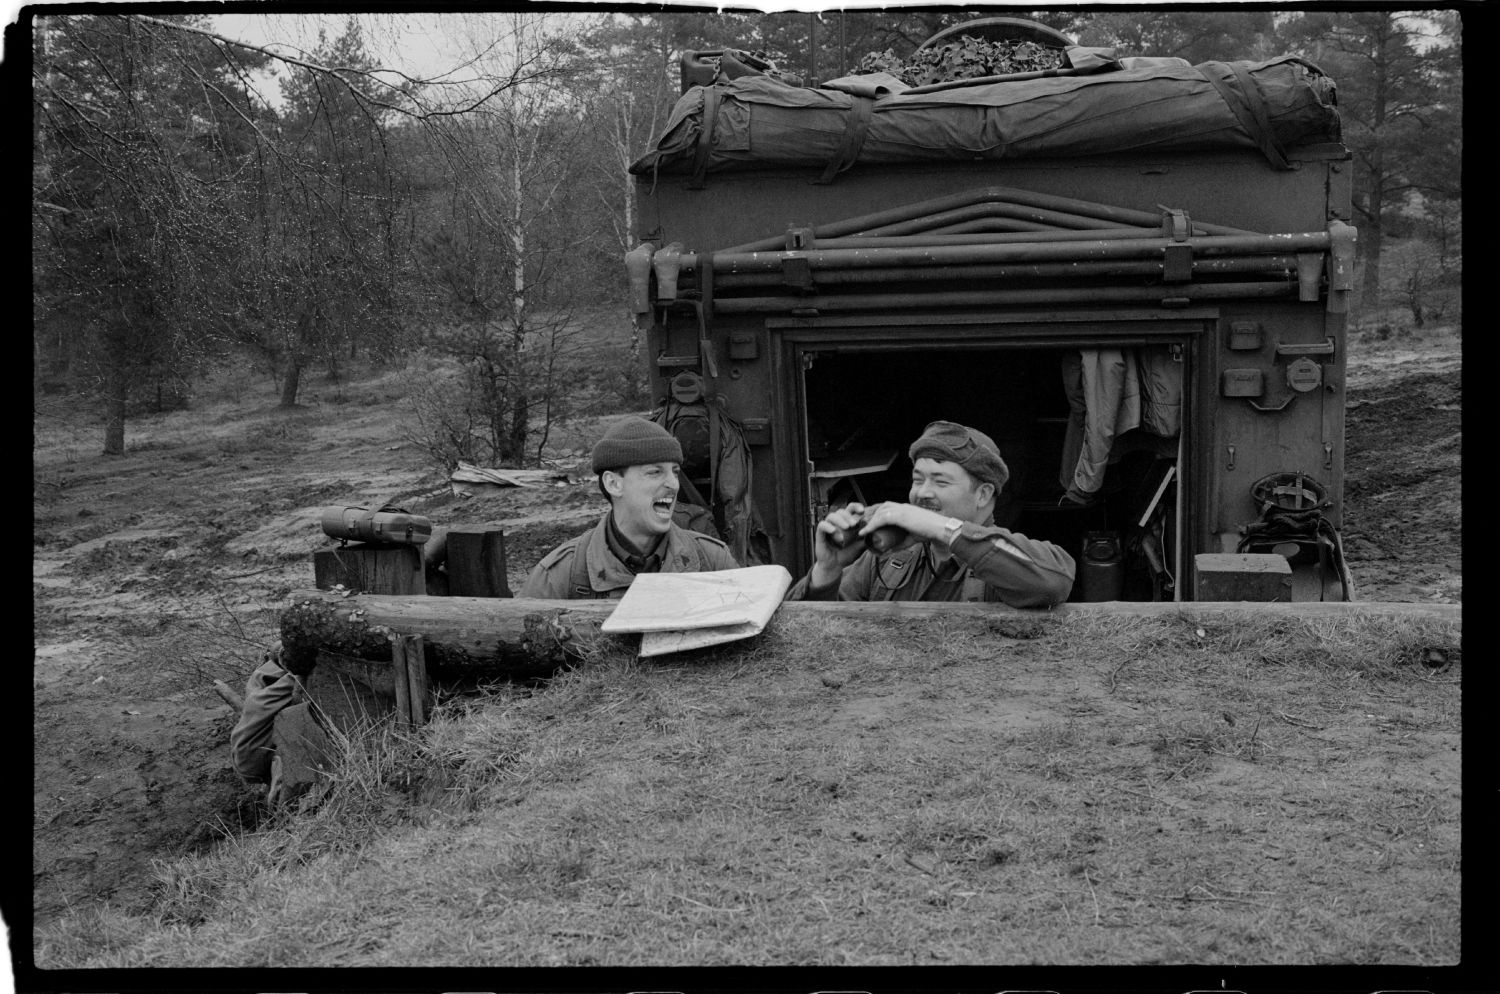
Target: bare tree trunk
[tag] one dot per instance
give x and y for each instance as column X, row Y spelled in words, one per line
column 291, row 375
column 1414, row 291
column 1370, row 239
column 115, row 392
column 291, row 378
column 519, row 420
column 624, row 147
column 520, row 382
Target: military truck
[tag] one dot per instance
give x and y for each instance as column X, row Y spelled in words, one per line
column 1133, row 273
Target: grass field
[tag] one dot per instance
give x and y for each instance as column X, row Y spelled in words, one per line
column 933, row 791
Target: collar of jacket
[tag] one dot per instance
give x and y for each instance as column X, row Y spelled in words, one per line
column 679, row 554
column 625, row 550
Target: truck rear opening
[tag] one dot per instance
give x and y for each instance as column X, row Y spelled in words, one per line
column 1151, row 327
column 864, row 404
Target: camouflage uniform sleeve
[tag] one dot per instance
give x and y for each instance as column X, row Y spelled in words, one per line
column 1025, row 572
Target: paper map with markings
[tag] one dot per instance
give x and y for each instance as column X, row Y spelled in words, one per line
column 678, row 611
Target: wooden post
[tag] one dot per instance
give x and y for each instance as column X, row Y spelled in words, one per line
column 476, row 561
column 371, row 569
column 418, row 693
column 401, row 679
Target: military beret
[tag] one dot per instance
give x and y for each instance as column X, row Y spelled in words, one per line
column 972, row 449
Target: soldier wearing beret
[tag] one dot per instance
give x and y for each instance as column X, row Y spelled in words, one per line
column 638, row 463
column 955, row 551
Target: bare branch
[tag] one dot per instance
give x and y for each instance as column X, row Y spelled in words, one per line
column 517, row 76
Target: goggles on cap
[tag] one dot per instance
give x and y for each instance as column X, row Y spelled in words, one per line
column 953, row 436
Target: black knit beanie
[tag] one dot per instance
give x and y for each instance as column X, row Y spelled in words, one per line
column 633, row 442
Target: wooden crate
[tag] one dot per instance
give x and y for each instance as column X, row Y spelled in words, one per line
column 1243, row 577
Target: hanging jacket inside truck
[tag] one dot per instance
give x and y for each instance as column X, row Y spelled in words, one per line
column 1112, row 392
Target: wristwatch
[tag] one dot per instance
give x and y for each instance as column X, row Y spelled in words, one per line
column 951, row 528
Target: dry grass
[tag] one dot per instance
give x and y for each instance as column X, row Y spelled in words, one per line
column 941, row 791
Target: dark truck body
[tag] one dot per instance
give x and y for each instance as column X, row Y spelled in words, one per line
column 831, row 372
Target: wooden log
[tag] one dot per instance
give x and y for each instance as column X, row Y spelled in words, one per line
column 510, row 637
column 374, row 569
column 479, row 636
column 476, row 561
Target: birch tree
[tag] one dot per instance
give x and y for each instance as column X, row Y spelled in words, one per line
column 499, row 250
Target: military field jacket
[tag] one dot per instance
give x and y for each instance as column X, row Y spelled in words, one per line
column 995, row 564
column 600, row 573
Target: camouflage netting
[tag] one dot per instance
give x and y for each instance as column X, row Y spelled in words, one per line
column 966, row 58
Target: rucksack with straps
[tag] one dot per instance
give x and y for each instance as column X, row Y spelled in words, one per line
column 724, row 463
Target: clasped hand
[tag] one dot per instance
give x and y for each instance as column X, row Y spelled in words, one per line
column 829, row 560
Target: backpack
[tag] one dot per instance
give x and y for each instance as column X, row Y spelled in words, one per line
column 714, row 452
column 688, row 423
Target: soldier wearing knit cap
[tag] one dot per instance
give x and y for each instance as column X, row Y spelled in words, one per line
column 638, row 463
column 954, row 550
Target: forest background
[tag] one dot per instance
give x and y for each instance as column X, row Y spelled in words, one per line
column 198, row 198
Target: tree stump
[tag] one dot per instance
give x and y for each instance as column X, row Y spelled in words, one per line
column 476, row 561
column 371, row 569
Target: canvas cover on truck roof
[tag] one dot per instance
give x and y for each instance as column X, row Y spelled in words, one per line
column 1097, row 105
